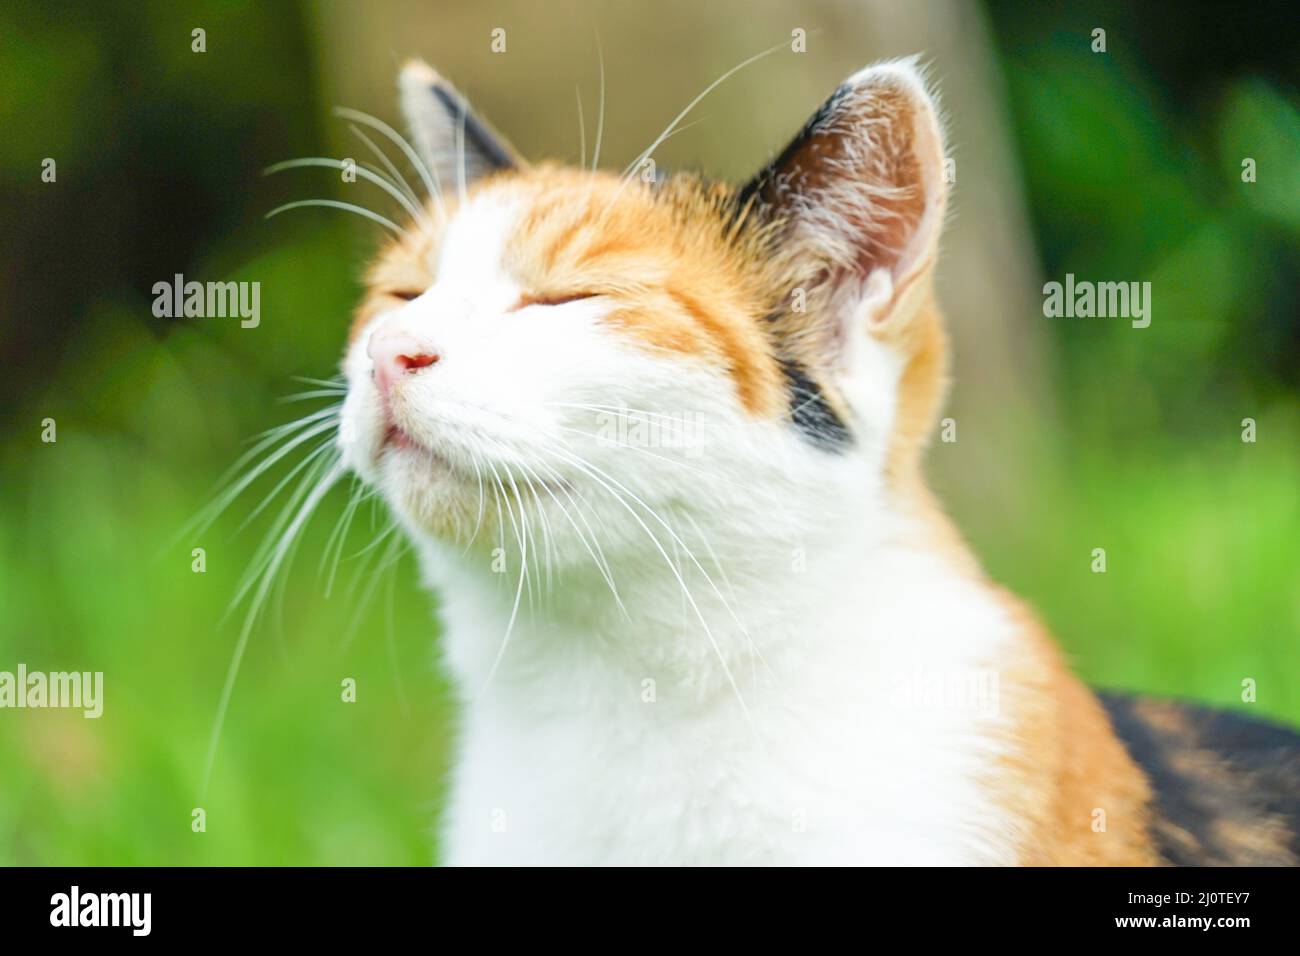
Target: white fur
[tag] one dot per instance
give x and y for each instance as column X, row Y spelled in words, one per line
column 754, row 691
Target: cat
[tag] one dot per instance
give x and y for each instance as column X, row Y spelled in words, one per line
column 752, row 637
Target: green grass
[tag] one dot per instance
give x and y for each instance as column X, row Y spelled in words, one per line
column 1202, row 583
column 301, row 776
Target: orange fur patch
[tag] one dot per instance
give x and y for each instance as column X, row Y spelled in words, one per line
column 1078, row 797
column 676, row 280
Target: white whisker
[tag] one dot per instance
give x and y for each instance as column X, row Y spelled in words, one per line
column 336, row 204
column 308, row 506
column 382, row 182
column 514, row 611
column 600, row 123
column 582, row 130
column 649, row 150
column 393, row 171
column 389, row 557
column 429, row 178
column 591, row 472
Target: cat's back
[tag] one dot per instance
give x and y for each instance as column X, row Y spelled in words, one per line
column 1225, row 788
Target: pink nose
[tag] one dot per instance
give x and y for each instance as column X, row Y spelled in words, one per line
column 396, row 353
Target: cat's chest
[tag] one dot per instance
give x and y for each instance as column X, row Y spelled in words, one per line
column 841, row 763
column 859, row 729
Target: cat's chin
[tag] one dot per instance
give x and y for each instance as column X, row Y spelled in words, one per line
column 426, row 490
column 414, row 469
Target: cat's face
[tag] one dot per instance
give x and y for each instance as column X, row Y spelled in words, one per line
column 566, row 354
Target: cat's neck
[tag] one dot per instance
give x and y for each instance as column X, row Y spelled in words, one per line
column 706, row 609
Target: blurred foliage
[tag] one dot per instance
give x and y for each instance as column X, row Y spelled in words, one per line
column 1132, row 161
column 1131, row 168
column 1132, row 164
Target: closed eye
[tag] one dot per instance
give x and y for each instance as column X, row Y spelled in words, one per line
column 559, row 298
column 405, row 295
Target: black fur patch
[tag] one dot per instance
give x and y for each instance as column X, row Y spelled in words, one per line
column 1227, row 788
column 810, row 412
column 477, row 136
column 757, row 185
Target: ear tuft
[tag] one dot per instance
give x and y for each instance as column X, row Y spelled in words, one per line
column 857, row 197
column 456, row 145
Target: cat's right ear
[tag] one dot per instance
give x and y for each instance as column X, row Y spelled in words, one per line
column 857, row 202
column 455, row 144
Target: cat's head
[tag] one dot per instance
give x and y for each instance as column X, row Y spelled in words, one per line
column 592, row 352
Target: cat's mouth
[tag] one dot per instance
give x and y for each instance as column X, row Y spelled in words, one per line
column 398, row 438
column 406, row 450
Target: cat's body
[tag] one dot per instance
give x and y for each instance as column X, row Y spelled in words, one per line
column 881, row 719
column 765, row 644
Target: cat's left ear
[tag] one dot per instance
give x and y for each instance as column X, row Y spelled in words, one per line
column 456, row 145
column 857, row 200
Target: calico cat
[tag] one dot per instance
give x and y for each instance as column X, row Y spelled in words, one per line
column 657, row 442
